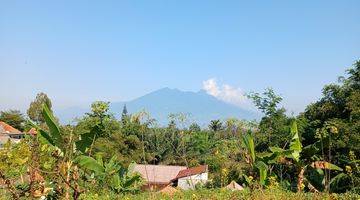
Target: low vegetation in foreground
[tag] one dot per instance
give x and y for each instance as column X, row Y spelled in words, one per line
column 222, row 194
column 314, row 155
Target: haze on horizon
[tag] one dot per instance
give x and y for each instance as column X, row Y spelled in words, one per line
column 79, row 52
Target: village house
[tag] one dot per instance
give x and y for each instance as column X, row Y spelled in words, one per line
column 189, row 178
column 157, row 177
column 8, row 132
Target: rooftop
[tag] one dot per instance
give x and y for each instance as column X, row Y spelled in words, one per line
column 192, row 171
column 7, row 129
column 160, row 174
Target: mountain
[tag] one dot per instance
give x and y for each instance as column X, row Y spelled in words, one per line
column 201, row 107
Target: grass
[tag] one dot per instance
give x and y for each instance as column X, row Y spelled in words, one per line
column 221, row 194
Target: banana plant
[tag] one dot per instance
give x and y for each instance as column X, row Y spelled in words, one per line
column 252, row 159
column 54, row 137
column 67, row 148
column 111, row 174
column 292, row 156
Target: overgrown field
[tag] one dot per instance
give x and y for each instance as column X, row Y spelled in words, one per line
column 220, row 194
column 212, row 194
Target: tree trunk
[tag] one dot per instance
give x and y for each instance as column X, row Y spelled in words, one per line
column 300, row 181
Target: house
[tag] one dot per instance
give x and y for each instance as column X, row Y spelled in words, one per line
column 8, row 132
column 158, row 177
column 189, row 178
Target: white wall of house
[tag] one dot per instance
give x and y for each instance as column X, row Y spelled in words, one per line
column 190, row 182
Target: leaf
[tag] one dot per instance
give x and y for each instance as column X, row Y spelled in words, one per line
column 115, row 182
column 248, row 142
column 247, row 179
column 53, row 127
column 276, row 149
column 131, row 181
column 336, row 181
column 262, row 171
column 314, row 148
column 325, row 165
column 131, row 167
column 295, row 144
column 90, row 163
column 45, row 137
column 87, row 139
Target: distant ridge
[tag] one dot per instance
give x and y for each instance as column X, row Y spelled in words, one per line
column 201, row 106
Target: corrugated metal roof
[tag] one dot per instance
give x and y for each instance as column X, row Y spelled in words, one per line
column 191, row 171
column 158, row 174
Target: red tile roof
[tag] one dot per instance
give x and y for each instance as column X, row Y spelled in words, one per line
column 8, row 129
column 192, row 171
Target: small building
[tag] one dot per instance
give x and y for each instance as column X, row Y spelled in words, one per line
column 8, row 132
column 234, row 186
column 189, row 178
column 158, row 177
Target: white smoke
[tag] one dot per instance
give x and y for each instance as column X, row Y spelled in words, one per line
column 226, row 93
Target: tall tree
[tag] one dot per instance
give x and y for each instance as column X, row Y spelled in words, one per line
column 14, row 118
column 124, row 116
column 215, row 125
column 267, row 102
column 100, row 110
column 274, row 126
column 35, row 110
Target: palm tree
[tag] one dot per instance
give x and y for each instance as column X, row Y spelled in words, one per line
column 215, row 125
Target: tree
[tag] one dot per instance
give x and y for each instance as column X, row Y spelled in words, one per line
column 194, row 127
column 124, row 116
column 14, row 118
column 274, row 126
column 100, row 110
column 99, row 117
column 215, row 125
column 337, row 114
column 267, row 102
column 35, row 110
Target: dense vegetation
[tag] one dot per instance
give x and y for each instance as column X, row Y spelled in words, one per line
column 316, row 151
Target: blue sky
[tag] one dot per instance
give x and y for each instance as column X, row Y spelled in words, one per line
column 81, row 51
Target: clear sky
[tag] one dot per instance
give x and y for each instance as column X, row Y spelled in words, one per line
column 81, row 51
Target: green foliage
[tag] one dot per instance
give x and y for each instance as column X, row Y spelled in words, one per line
column 91, row 164
column 53, row 136
column 14, row 118
column 88, row 139
column 35, row 110
column 263, row 168
column 267, row 102
column 295, row 144
column 14, row 159
column 215, row 125
column 248, row 143
column 222, row 194
column 111, row 174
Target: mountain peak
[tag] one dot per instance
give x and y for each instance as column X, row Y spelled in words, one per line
column 201, row 107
